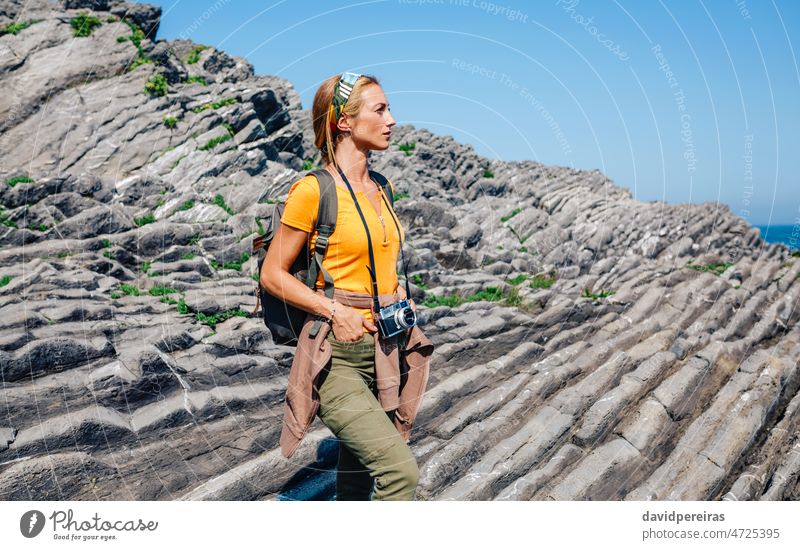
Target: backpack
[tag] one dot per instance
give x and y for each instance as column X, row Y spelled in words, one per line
column 284, row 320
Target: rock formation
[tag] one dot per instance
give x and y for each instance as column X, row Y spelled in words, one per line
column 589, row 346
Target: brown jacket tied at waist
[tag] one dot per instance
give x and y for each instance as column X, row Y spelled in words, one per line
column 401, row 375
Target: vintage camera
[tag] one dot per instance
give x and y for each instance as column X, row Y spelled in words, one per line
column 396, row 318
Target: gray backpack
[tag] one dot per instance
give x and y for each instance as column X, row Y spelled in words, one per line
column 284, row 320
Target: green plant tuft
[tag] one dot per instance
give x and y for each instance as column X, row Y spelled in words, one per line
column 156, row 85
column 194, row 55
column 16, row 27
column 213, row 142
column 196, row 79
column 214, row 105
column 212, row 320
column 715, row 268
column 543, row 281
column 129, row 290
column 18, row 179
column 235, row 264
column 83, row 24
column 144, row 220
column 170, row 122
column 587, row 293
column 5, row 280
column 160, row 290
column 407, row 147
column 219, row 200
column 513, row 213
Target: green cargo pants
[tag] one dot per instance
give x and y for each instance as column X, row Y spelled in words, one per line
column 375, row 463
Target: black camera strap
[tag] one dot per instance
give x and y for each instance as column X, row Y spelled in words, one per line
column 369, row 242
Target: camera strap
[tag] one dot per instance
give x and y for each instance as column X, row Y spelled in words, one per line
column 369, row 242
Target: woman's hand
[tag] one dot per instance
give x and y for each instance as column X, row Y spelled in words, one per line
column 348, row 324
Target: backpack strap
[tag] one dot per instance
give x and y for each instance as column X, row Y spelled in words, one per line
column 387, row 188
column 325, row 225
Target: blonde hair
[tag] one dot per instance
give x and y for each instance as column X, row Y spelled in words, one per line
column 324, row 114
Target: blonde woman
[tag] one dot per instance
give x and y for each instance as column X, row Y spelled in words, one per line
column 365, row 384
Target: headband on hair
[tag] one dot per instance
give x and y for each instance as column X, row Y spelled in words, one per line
column 342, row 91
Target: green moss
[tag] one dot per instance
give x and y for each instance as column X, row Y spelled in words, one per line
column 144, row 220
column 183, row 309
column 308, row 164
column 417, row 280
column 407, row 147
column 543, row 281
column 122, row 39
column 196, row 79
column 168, row 300
column 188, row 256
column 513, row 213
column 237, row 265
column 219, row 200
column 518, row 279
column 587, row 293
column 12, row 181
column 715, row 268
column 170, row 122
column 38, row 226
column 145, row 267
column 400, row 196
column 194, row 55
column 490, row 294
column 212, row 320
column 488, row 173
column 194, row 240
column 796, row 253
column 4, row 220
column 108, row 254
column 139, row 61
column 261, row 230
column 188, row 205
column 213, row 142
column 5, row 280
column 129, row 290
column 115, row 295
column 214, row 105
column 83, row 24
column 156, row 85
column 160, row 290
column 17, row 27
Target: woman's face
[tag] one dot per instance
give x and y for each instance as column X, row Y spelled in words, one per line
column 371, row 128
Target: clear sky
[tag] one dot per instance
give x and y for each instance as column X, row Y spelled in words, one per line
column 680, row 101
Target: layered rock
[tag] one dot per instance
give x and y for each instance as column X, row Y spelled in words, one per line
column 588, row 346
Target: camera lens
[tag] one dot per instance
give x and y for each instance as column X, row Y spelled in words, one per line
column 407, row 317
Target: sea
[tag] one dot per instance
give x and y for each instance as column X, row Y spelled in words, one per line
column 785, row 234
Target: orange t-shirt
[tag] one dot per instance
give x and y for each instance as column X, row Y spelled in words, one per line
column 347, row 257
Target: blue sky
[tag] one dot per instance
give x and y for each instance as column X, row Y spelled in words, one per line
column 679, row 101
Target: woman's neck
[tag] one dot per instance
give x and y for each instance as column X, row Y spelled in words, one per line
column 353, row 162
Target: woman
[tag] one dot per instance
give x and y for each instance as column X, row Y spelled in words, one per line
column 352, row 394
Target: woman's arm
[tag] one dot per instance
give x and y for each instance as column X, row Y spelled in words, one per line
column 276, row 279
column 275, row 276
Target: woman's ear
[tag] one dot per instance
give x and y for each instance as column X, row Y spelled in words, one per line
column 343, row 124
